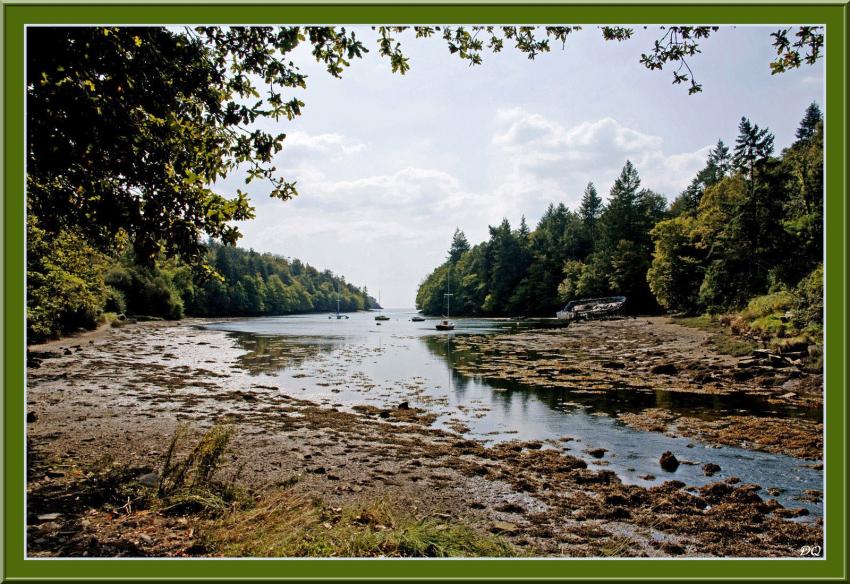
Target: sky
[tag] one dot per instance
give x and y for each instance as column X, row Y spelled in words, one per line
column 387, row 166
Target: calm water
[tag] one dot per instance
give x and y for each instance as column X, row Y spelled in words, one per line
column 343, row 363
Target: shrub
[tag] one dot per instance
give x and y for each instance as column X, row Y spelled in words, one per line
column 65, row 288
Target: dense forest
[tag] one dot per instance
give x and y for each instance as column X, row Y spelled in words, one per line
column 747, row 229
column 81, row 286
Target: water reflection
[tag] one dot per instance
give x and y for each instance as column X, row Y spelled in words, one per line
column 272, row 354
column 625, row 399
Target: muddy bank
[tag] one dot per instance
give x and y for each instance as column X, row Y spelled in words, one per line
column 118, row 398
column 795, row 437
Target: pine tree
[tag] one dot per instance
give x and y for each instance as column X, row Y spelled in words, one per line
column 460, row 246
column 718, row 165
column 523, row 231
column 752, row 145
column 809, row 123
column 618, row 219
column 591, row 207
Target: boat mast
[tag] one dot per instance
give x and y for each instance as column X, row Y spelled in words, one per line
column 448, row 294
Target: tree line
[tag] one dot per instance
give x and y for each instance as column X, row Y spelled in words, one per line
column 72, row 285
column 750, row 223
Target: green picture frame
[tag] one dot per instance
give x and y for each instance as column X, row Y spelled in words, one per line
column 16, row 15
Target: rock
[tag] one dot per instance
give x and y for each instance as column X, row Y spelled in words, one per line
column 510, row 508
column 779, row 361
column 673, row 549
column 66, row 352
column 788, row 395
column 504, row 527
column 613, row 365
column 597, row 452
column 812, row 495
column 55, row 474
column 404, row 406
column 748, row 362
column 743, row 375
column 710, row 469
column 31, row 417
column 788, row 513
column 384, row 413
column 146, row 539
column 150, row 479
column 49, row 516
column 774, row 491
column 668, row 462
column 665, row 369
column 648, row 477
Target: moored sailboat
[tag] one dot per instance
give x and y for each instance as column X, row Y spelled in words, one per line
column 446, row 324
column 381, row 316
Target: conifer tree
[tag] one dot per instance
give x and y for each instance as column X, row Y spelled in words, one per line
column 809, row 123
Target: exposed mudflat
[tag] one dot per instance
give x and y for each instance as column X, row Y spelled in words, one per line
column 120, row 394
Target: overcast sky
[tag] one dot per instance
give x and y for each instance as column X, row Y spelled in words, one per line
column 388, row 165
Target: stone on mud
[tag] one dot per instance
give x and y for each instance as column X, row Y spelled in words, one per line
column 665, row 369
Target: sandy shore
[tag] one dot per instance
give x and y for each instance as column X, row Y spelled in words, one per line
column 120, row 393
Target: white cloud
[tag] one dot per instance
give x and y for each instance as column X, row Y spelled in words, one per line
column 327, row 144
column 544, row 157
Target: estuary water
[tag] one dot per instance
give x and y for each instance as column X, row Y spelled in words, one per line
column 348, row 362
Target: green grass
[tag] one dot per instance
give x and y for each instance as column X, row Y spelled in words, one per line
column 190, row 485
column 286, row 525
column 722, row 338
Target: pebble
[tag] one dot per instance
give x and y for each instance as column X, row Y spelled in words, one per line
column 49, row 516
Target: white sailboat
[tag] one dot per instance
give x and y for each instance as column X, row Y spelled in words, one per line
column 446, row 324
column 381, row 316
column 338, row 315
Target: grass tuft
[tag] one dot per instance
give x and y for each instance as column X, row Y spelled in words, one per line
column 287, row 525
column 188, row 485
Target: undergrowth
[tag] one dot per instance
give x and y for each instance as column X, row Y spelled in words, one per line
column 287, row 525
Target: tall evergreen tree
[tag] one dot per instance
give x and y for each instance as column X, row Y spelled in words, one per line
column 809, row 123
column 618, row 220
column 459, row 246
column 589, row 212
column 718, row 165
column 752, row 145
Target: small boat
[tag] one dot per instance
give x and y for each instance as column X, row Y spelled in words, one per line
column 418, row 319
column 338, row 315
column 446, row 324
column 381, row 316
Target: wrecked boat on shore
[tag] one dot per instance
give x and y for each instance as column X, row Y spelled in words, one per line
column 592, row 308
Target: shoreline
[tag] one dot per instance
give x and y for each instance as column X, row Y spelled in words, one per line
column 124, row 392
